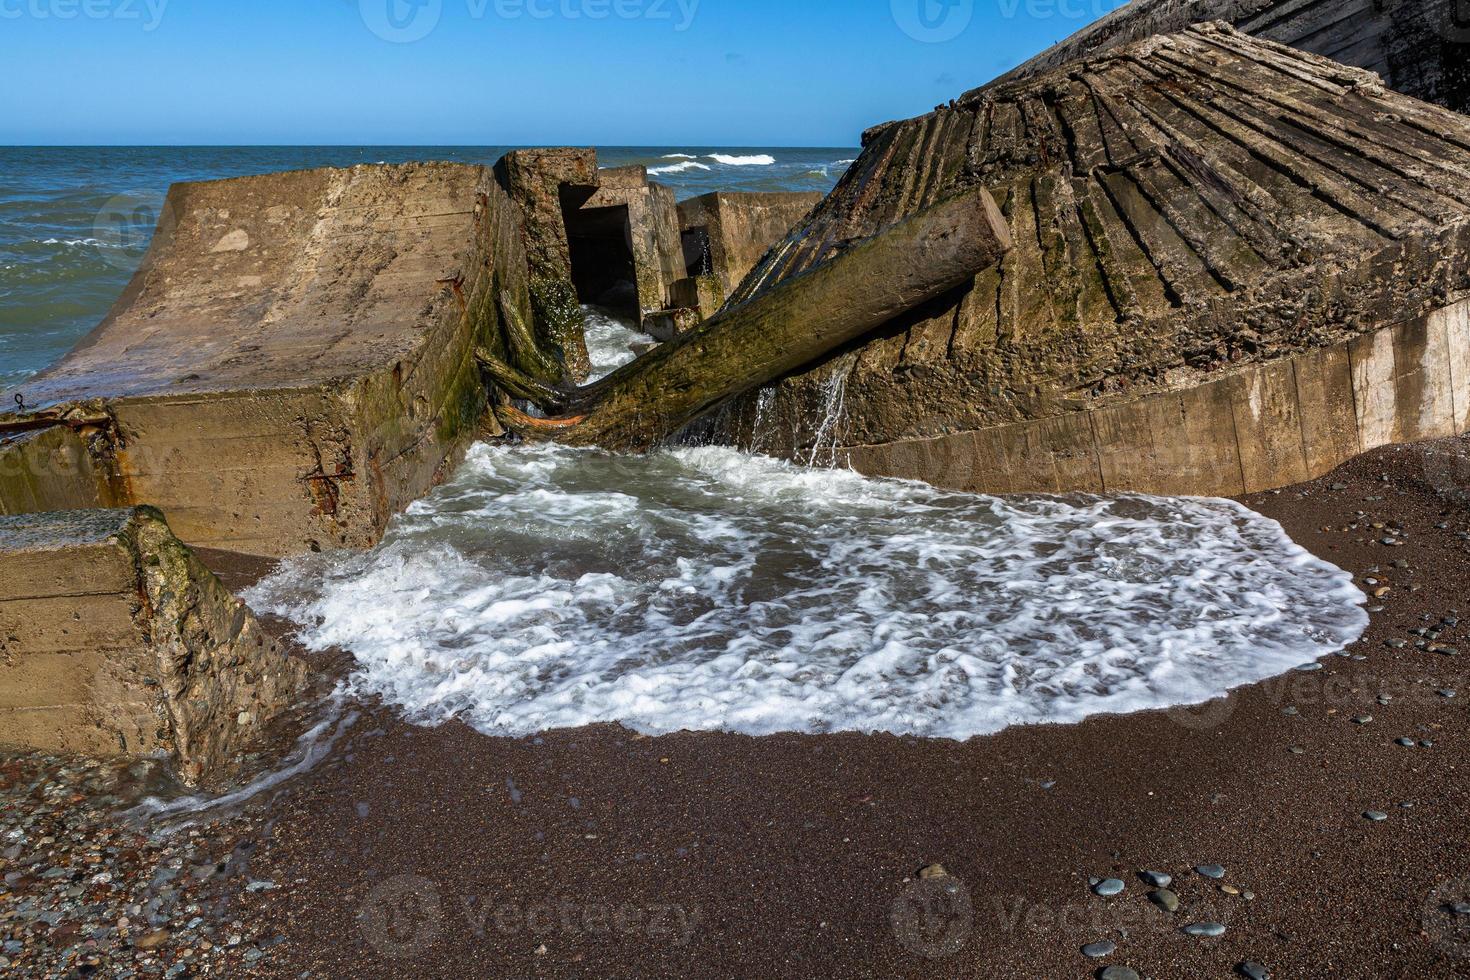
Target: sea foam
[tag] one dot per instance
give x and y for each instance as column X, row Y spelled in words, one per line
column 758, row 160
column 547, row 588
column 678, row 168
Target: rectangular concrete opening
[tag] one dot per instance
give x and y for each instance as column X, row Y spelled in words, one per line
column 601, row 246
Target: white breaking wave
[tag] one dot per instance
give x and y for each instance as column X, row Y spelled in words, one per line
column 84, row 242
column 679, row 156
column 547, row 588
column 759, row 160
column 843, row 163
column 679, row 168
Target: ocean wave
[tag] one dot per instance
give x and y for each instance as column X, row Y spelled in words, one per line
column 678, row 156
column 843, row 163
column 758, row 160
column 83, row 243
column 547, row 587
column 678, row 168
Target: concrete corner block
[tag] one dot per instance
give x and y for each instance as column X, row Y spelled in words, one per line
column 116, row 640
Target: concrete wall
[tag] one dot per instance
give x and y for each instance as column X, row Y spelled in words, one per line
column 1266, row 426
column 730, row 232
column 115, row 641
column 293, row 364
column 653, row 231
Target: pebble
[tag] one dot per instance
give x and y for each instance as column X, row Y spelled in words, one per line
column 1118, row 973
column 933, row 871
column 1377, row 816
column 1363, row 720
column 1446, row 693
column 1297, row 750
column 1097, row 951
column 1206, row 930
column 1211, row 871
column 153, row 940
column 1290, row 712
column 1165, row 899
column 1156, row 879
column 1253, row 971
column 1407, row 743
column 1109, row 887
column 1230, row 890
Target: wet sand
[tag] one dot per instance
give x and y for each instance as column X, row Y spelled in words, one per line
column 596, row 852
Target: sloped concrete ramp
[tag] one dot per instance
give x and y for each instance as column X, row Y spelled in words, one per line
column 1235, row 265
column 292, row 364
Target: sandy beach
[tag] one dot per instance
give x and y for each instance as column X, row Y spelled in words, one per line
column 414, row 851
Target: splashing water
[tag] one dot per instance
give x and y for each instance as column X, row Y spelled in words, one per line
column 610, row 341
column 703, row 588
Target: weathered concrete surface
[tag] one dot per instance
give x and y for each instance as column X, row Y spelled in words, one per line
column 1420, row 47
column 114, row 640
column 1184, row 211
column 544, row 183
column 652, row 228
column 726, row 234
column 293, row 363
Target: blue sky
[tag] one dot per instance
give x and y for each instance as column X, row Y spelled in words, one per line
column 501, row 72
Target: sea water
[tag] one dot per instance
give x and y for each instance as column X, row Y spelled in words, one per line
column 702, row 588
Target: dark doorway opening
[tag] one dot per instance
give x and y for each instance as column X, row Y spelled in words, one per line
column 602, row 252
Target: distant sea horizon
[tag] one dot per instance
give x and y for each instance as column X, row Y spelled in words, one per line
column 75, row 221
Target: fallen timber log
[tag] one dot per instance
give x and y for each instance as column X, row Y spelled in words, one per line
column 859, row 289
column 1236, row 265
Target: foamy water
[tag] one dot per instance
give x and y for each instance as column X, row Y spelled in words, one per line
column 548, row 588
column 610, row 341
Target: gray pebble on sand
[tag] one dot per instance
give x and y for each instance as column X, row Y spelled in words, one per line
column 1205, row 930
column 1165, row 899
column 1118, row 973
column 1156, row 878
column 1446, row 693
column 1097, row 951
column 1407, row 743
column 1377, row 816
column 1211, row 871
column 1108, row 887
column 1253, row 971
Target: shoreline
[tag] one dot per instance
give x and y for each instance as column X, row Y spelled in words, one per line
column 708, row 854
